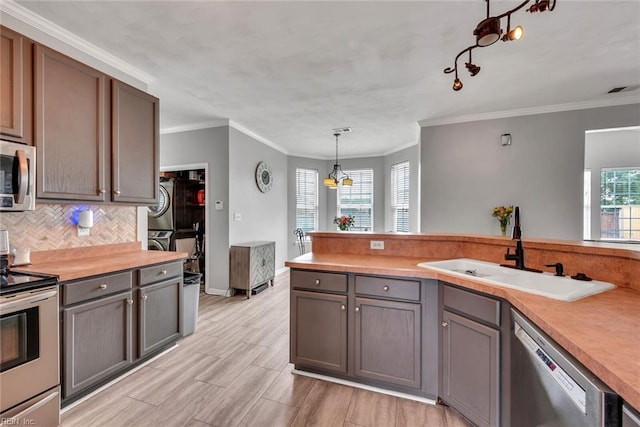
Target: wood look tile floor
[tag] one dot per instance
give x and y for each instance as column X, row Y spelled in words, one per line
column 235, row 371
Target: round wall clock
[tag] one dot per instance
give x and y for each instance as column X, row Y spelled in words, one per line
column 264, row 178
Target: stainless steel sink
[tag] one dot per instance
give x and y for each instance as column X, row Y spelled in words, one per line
column 544, row 284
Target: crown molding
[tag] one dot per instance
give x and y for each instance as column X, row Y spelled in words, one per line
column 195, row 126
column 24, row 15
column 609, row 102
column 237, row 126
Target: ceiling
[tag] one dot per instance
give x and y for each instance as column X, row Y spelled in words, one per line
column 290, row 71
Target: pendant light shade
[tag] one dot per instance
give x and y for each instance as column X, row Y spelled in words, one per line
column 337, row 176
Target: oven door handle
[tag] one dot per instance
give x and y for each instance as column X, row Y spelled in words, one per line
column 26, row 302
column 23, row 166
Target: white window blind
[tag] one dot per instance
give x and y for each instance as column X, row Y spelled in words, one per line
column 306, row 199
column 357, row 200
column 400, row 196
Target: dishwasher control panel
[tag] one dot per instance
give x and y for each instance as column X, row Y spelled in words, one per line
column 568, row 384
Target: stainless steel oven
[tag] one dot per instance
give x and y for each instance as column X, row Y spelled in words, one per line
column 17, row 177
column 29, row 357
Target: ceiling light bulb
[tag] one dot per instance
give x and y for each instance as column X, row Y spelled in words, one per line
column 516, row 33
column 457, row 85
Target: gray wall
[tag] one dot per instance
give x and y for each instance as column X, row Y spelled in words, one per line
column 412, row 155
column 209, row 146
column 264, row 215
column 466, row 172
column 614, row 149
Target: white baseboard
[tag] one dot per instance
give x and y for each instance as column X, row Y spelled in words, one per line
column 364, row 386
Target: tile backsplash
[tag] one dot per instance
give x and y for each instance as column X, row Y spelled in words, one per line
column 52, row 226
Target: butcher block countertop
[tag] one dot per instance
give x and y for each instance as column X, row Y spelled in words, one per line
column 601, row 331
column 79, row 263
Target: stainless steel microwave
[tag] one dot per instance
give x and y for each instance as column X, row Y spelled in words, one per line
column 17, row 177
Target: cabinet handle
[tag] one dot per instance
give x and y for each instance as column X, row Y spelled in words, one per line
column 103, row 286
column 144, row 297
column 357, row 309
column 102, row 191
column 164, row 272
column 116, row 192
column 444, row 324
column 129, row 301
column 385, row 288
column 317, row 282
column 343, row 307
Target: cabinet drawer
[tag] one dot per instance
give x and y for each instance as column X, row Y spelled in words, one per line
column 320, row 281
column 159, row 272
column 387, row 287
column 95, row 288
column 473, row 305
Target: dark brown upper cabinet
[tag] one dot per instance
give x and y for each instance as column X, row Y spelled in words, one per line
column 97, row 138
column 135, row 145
column 16, row 95
column 70, row 128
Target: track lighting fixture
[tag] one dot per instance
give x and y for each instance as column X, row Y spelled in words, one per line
column 489, row 30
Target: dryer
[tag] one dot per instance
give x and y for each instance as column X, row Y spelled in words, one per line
column 159, row 240
column 161, row 216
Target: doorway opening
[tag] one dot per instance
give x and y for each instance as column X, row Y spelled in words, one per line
column 184, row 224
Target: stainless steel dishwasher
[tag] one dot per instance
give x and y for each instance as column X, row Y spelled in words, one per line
column 550, row 388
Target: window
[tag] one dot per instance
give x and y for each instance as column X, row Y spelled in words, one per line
column 400, row 196
column 357, row 200
column 620, row 204
column 306, row 199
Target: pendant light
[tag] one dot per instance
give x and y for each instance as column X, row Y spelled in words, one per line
column 337, row 176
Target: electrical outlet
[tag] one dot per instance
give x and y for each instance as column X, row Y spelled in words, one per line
column 82, row 231
column 237, row 216
column 376, row 244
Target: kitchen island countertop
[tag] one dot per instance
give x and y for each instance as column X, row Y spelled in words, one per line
column 601, row 331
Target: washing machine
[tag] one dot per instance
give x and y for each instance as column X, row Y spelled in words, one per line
column 161, row 216
column 159, row 240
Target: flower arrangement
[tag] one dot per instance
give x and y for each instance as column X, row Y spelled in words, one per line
column 503, row 213
column 344, row 222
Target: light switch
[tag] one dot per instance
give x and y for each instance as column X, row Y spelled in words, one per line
column 237, row 216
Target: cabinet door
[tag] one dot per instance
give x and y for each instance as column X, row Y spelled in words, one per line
column 134, row 133
column 387, row 341
column 319, row 330
column 16, row 78
column 69, row 130
column 160, row 315
column 470, row 368
column 97, row 341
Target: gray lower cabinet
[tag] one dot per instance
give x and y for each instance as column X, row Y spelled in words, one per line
column 387, row 341
column 630, row 417
column 97, row 340
column 365, row 328
column 470, row 356
column 160, row 315
column 112, row 322
column 319, row 330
